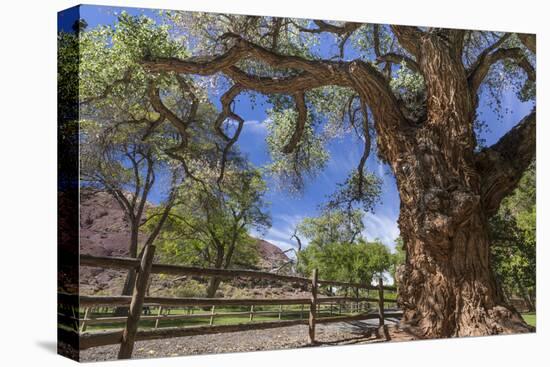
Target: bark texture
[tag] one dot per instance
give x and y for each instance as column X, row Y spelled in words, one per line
column 447, row 285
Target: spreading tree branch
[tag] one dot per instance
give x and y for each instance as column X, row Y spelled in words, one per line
column 395, row 58
column 408, row 37
column 299, row 98
column 502, row 165
column 529, row 41
column 363, row 77
column 481, row 68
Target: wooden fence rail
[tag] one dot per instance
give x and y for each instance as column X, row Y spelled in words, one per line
column 131, row 333
column 86, row 301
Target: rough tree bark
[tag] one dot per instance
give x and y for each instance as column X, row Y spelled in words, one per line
column 131, row 276
column 447, row 190
column 447, row 285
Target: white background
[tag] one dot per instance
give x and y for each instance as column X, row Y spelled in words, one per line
column 28, row 181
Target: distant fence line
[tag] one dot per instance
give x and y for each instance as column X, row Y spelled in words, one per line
column 95, row 339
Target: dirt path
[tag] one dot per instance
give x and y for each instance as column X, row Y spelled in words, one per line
column 358, row 332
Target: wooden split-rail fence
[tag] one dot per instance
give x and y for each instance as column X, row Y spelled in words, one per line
column 313, row 306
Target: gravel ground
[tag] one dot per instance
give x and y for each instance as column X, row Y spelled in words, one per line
column 357, row 332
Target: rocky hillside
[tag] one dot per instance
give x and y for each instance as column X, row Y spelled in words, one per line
column 104, row 231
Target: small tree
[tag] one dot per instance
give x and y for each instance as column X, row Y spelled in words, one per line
column 120, row 163
column 211, row 222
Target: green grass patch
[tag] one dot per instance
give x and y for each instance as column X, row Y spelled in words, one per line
column 530, row 318
column 297, row 313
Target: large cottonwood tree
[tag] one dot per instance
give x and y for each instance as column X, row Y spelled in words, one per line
column 416, row 90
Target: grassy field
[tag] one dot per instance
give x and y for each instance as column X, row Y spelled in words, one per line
column 530, row 318
column 297, row 313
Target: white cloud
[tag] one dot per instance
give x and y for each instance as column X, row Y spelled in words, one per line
column 381, row 226
column 255, row 127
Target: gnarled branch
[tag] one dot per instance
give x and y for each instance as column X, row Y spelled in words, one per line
column 529, row 41
column 227, row 113
column 408, row 37
column 482, row 67
column 397, row 59
column 299, row 98
column 502, row 165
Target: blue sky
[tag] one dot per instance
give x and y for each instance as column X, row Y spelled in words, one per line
column 287, row 210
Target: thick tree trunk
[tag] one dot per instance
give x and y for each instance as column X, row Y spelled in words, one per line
column 130, row 281
column 214, row 282
column 131, row 277
column 213, row 285
column 447, row 287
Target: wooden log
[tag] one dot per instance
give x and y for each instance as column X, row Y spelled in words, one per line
column 129, row 263
column 344, row 284
column 115, row 319
column 355, row 285
column 125, row 263
column 381, row 310
column 312, row 307
column 251, row 313
column 381, row 301
column 181, row 302
column 136, row 305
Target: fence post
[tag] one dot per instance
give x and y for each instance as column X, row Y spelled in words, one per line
column 212, row 313
column 251, row 313
column 136, row 305
column 381, row 309
column 357, row 310
column 313, row 307
column 158, row 317
column 280, row 310
column 381, row 301
column 83, row 326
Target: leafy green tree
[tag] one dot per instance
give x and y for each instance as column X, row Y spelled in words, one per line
column 119, row 162
column 397, row 259
column 337, row 249
column 332, row 226
column 210, row 223
column 357, row 262
column 127, row 144
column 513, row 236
